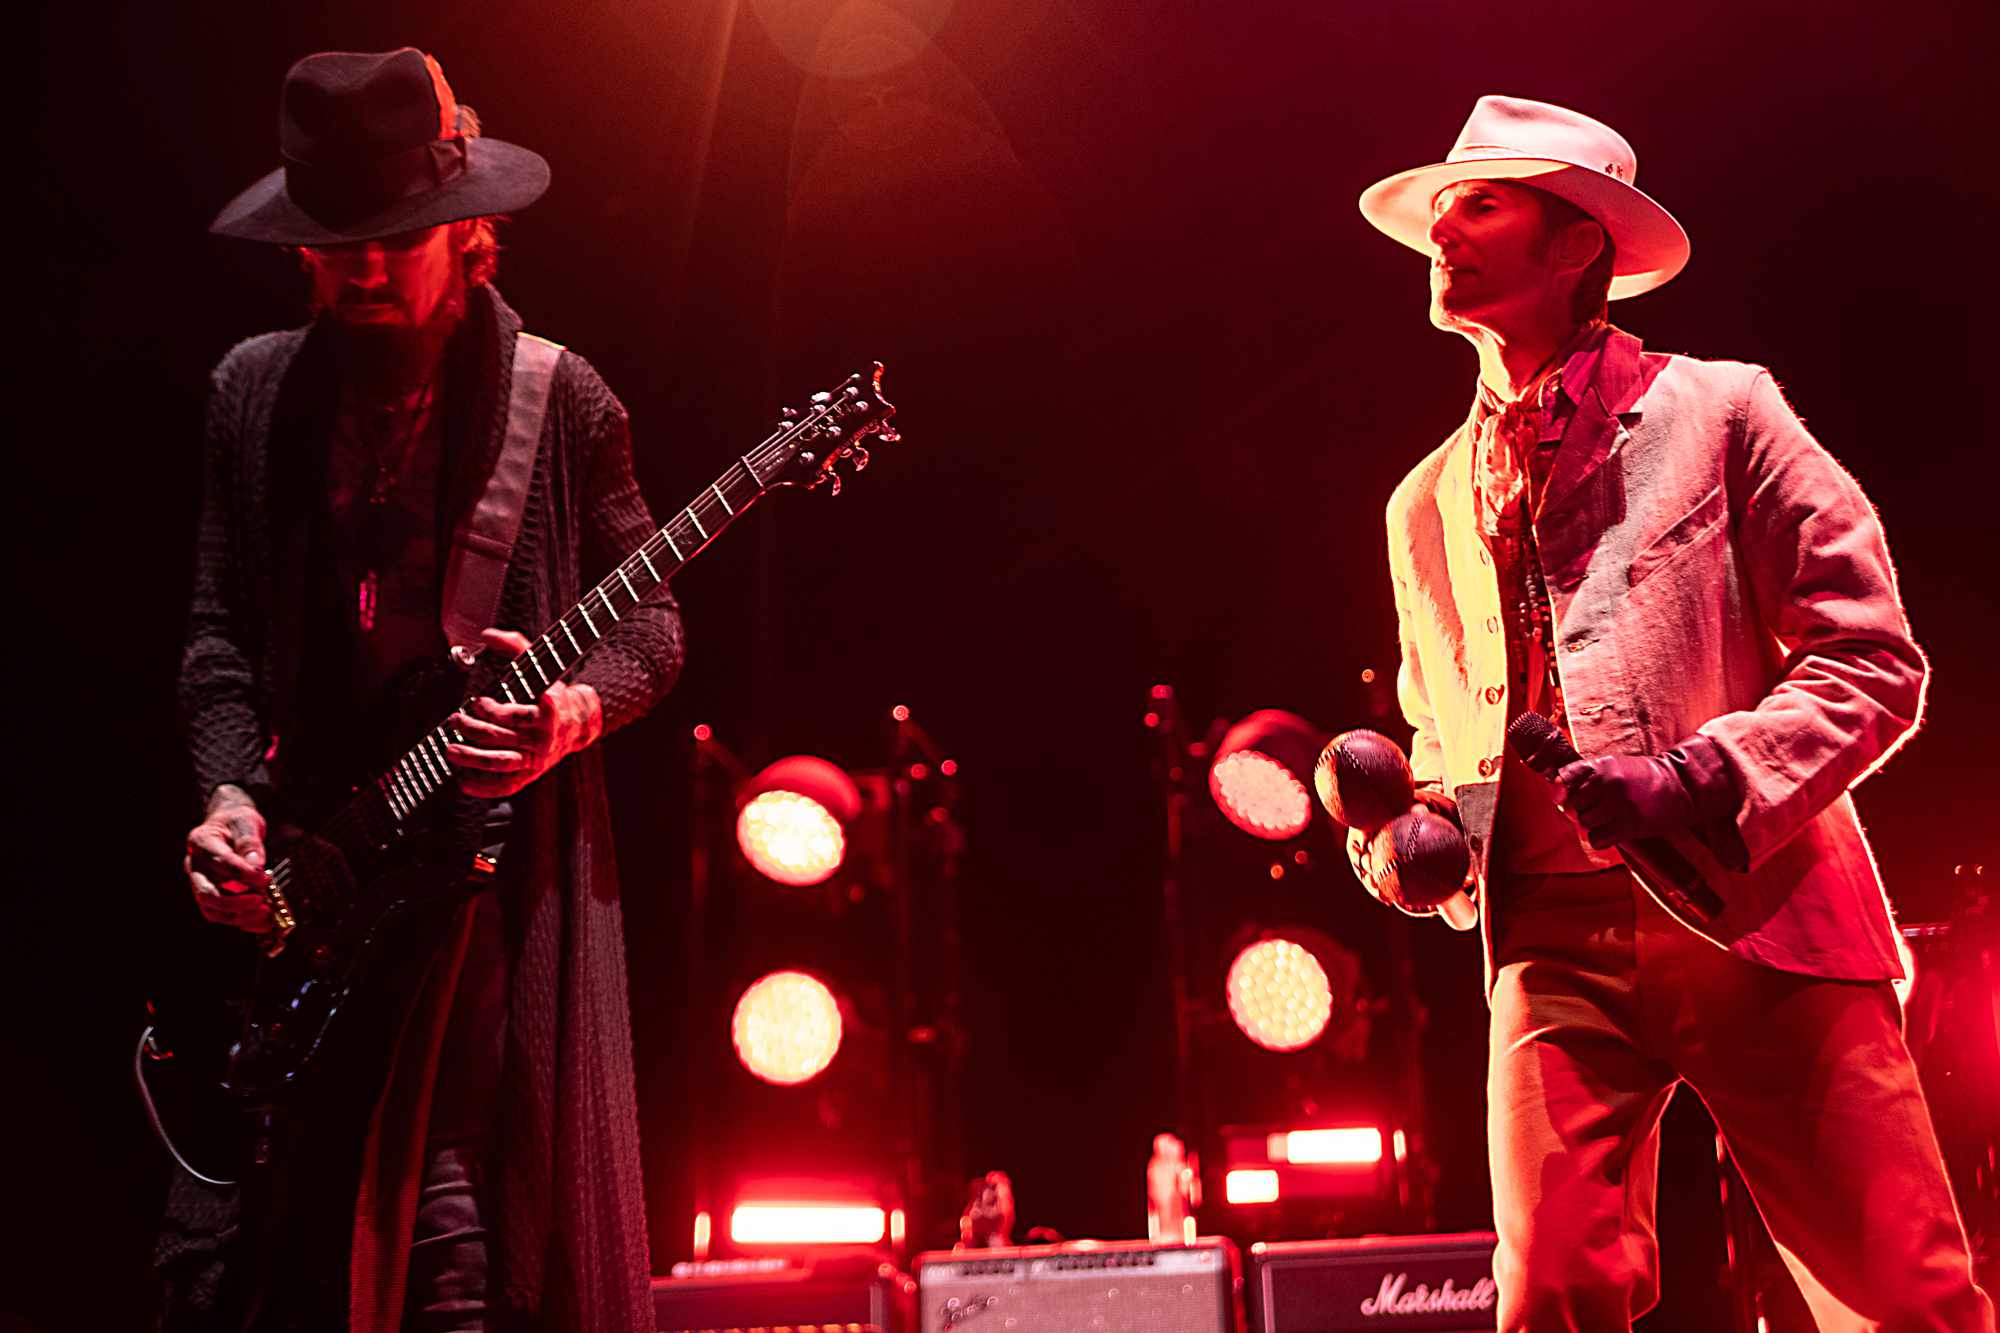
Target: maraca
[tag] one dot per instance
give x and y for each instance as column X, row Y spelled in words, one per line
column 1418, row 857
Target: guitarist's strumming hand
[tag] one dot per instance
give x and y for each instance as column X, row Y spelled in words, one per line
column 513, row 744
column 225, row 862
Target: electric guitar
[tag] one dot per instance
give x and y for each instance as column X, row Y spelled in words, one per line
column 336, row 896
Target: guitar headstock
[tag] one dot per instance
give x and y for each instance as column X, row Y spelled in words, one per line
column 813, row 442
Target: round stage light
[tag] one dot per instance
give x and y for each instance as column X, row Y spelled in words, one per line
column 1279, row 994
column 1260, row 795
column 790, row 837
column 793, row 823
column 1260, row 774
column 786, row 1027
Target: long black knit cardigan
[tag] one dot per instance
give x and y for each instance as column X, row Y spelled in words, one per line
column 571, row 1235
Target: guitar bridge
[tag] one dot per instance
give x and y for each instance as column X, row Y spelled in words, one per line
column 283, row 923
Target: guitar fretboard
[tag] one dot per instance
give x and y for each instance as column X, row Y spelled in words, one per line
column 423, row 769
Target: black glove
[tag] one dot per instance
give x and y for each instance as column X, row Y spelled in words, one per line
column 1624, row 797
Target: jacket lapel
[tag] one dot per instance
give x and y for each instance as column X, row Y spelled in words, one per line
column 1593, row 435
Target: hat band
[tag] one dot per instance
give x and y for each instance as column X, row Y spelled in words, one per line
column 346, row 191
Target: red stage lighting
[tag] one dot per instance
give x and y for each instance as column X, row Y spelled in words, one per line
column 1261, row 770
column 1250, row 1185
column 1359, row 1145
column 786, row 1028
column 1279, row 994
column 807, row 1223
column 793, row 820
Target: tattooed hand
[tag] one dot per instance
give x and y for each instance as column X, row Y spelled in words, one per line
column 225, row 862
column 510, row 745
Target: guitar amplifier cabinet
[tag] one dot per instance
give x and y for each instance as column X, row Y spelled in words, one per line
column 1425, row 1284
column 848, row 1292
column 1093, row 1286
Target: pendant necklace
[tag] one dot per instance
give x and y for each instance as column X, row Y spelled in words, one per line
column 398, row 424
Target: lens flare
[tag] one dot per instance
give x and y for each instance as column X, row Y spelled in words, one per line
column 786, row 1028
column 1279, row 994
column 1260, row 795
column 790, row 837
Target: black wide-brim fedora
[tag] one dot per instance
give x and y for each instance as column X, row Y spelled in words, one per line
column 373, row 145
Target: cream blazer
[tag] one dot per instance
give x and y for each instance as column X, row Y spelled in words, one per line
column 1712, row 569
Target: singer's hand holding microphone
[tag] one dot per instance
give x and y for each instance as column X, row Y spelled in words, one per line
column 1405, row 845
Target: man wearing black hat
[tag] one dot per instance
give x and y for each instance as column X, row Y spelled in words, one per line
column 483, row 1160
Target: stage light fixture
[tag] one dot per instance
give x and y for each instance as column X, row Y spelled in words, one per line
column 786, row 1027
column 1279, row 994
column 1250, row 1185
column 793, row 819
column 1262, row 773
column 1358, row 1145
column 807, row 1223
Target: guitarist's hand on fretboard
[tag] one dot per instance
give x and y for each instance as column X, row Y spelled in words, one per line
column 225, row 862
column 510, row 745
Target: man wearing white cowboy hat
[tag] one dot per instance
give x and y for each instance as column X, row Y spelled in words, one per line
column 472, row 1152
column 1651, row 551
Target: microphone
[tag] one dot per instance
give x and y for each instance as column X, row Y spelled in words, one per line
column 1540, row 744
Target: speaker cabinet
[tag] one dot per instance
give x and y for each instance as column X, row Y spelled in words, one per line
column 1424, row 1284
column 1100, row 1286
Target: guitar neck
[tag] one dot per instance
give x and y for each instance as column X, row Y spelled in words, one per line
column 423, row 769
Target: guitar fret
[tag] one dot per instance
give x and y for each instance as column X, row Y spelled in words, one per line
column 418, row 777
column 629, row 591
column 530, row 655
column 554, row 656
column 717, row 488
column 402, row 794
column 607, row 602
column 425, row 762
column 436, row 749
column 744, row 459
column 649, row 565
column 588, row 623
column 671, row 547
column 689, row 511
column 575, row 647
column 526, row 689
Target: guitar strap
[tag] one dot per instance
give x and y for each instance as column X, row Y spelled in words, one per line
column 482, row 545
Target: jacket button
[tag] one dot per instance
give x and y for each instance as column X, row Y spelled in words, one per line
column 1487, row 767
column 1493, row 694
column 1492, row 624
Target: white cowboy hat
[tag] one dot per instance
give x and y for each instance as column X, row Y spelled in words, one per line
column 1551, row 148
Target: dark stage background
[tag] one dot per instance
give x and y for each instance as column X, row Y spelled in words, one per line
column 1157, row 378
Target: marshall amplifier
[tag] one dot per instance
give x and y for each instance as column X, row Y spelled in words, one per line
column 1089, row 1286
column 1432, row 1284
column 861, row 1291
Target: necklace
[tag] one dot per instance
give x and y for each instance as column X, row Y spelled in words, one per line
column 392, row 431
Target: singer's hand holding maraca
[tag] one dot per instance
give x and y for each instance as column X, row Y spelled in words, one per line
column 1405, row 845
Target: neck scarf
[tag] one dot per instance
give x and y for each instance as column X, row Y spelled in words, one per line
column 1505, row 435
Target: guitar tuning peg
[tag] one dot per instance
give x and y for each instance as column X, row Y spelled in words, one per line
column 789, row 413
column 861, row 404
column 822, row 397
column 831, row 429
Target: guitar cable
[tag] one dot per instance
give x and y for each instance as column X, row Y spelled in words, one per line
column 153, row 1112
